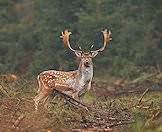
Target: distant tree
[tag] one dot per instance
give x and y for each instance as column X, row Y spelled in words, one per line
column 30, row 30
column 133, row 29
column 52, row 17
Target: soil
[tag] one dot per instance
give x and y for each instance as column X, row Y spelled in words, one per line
column 106, row 113
column 19, row 115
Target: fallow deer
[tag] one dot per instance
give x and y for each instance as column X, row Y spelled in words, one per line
column 72, row 83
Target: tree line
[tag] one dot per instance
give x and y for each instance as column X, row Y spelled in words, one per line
column 30, row 30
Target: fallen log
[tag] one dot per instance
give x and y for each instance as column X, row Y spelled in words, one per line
column 72, row 100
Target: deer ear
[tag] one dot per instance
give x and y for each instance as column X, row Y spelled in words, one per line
column 94, row 53
column 78, row 53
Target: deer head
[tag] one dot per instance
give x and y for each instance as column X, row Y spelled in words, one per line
column 86, row 57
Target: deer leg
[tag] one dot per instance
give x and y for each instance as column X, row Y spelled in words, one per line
column 75, row 95
column 38, row 98
column 54, row 94
column 89, row 85
column 81, row 97
column 81, row 94
column 47, row 101
column 39, row 84
column 49, row 98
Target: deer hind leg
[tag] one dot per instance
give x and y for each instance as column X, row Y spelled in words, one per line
column 39, row 98
column 39, row 84
column 47, row 100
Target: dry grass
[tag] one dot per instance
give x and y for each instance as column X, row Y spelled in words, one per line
column 136, row 112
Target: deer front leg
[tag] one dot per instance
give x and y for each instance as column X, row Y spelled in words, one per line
column 89, row 85
column 81, row 94
column 85, row 89
column 75, row 95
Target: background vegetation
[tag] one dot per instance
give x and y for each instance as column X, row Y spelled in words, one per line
column 30, row 30
column 30, row 43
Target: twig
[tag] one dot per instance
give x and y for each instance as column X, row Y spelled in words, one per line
column 152, row 118
column 71, row 100
column 111, row 102
column 27, row 99
column 155, row 115
column 4, row 91
column 139, row 102
column 151, row 105
column 19, row 119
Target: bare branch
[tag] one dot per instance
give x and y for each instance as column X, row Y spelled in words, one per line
column 142, row 96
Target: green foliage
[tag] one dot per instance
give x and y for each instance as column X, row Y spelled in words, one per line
column 30, row 30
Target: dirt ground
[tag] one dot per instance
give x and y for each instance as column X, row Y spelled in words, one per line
column 19, row 115
column 111, row 109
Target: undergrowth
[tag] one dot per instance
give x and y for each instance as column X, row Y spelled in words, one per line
column 132, row 113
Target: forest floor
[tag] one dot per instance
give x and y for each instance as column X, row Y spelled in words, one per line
column 132, row 107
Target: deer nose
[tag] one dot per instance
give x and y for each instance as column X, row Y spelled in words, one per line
column 86, row 64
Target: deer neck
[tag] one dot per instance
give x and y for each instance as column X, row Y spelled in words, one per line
column 85, row 74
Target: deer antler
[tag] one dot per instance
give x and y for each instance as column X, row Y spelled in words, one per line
column 106, row 35
column 65, row 37
column 107, row 39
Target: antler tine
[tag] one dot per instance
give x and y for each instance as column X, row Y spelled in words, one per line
column 65, row 37
column 92, row 46
column 107, row 39
column 80, row 47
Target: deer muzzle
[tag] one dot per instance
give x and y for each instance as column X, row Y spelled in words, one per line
column 87, row 64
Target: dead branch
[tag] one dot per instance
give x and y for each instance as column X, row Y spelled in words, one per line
column 4, row 91
column 139, row 102
column 152, row 117
column 151, row 105
column 19, row 119
column 27, row 99
column 155, row 115
column 111, row 103
column 72, row 100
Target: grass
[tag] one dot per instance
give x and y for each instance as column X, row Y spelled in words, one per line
column 144, row 115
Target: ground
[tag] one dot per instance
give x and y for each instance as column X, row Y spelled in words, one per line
column 133, row 107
